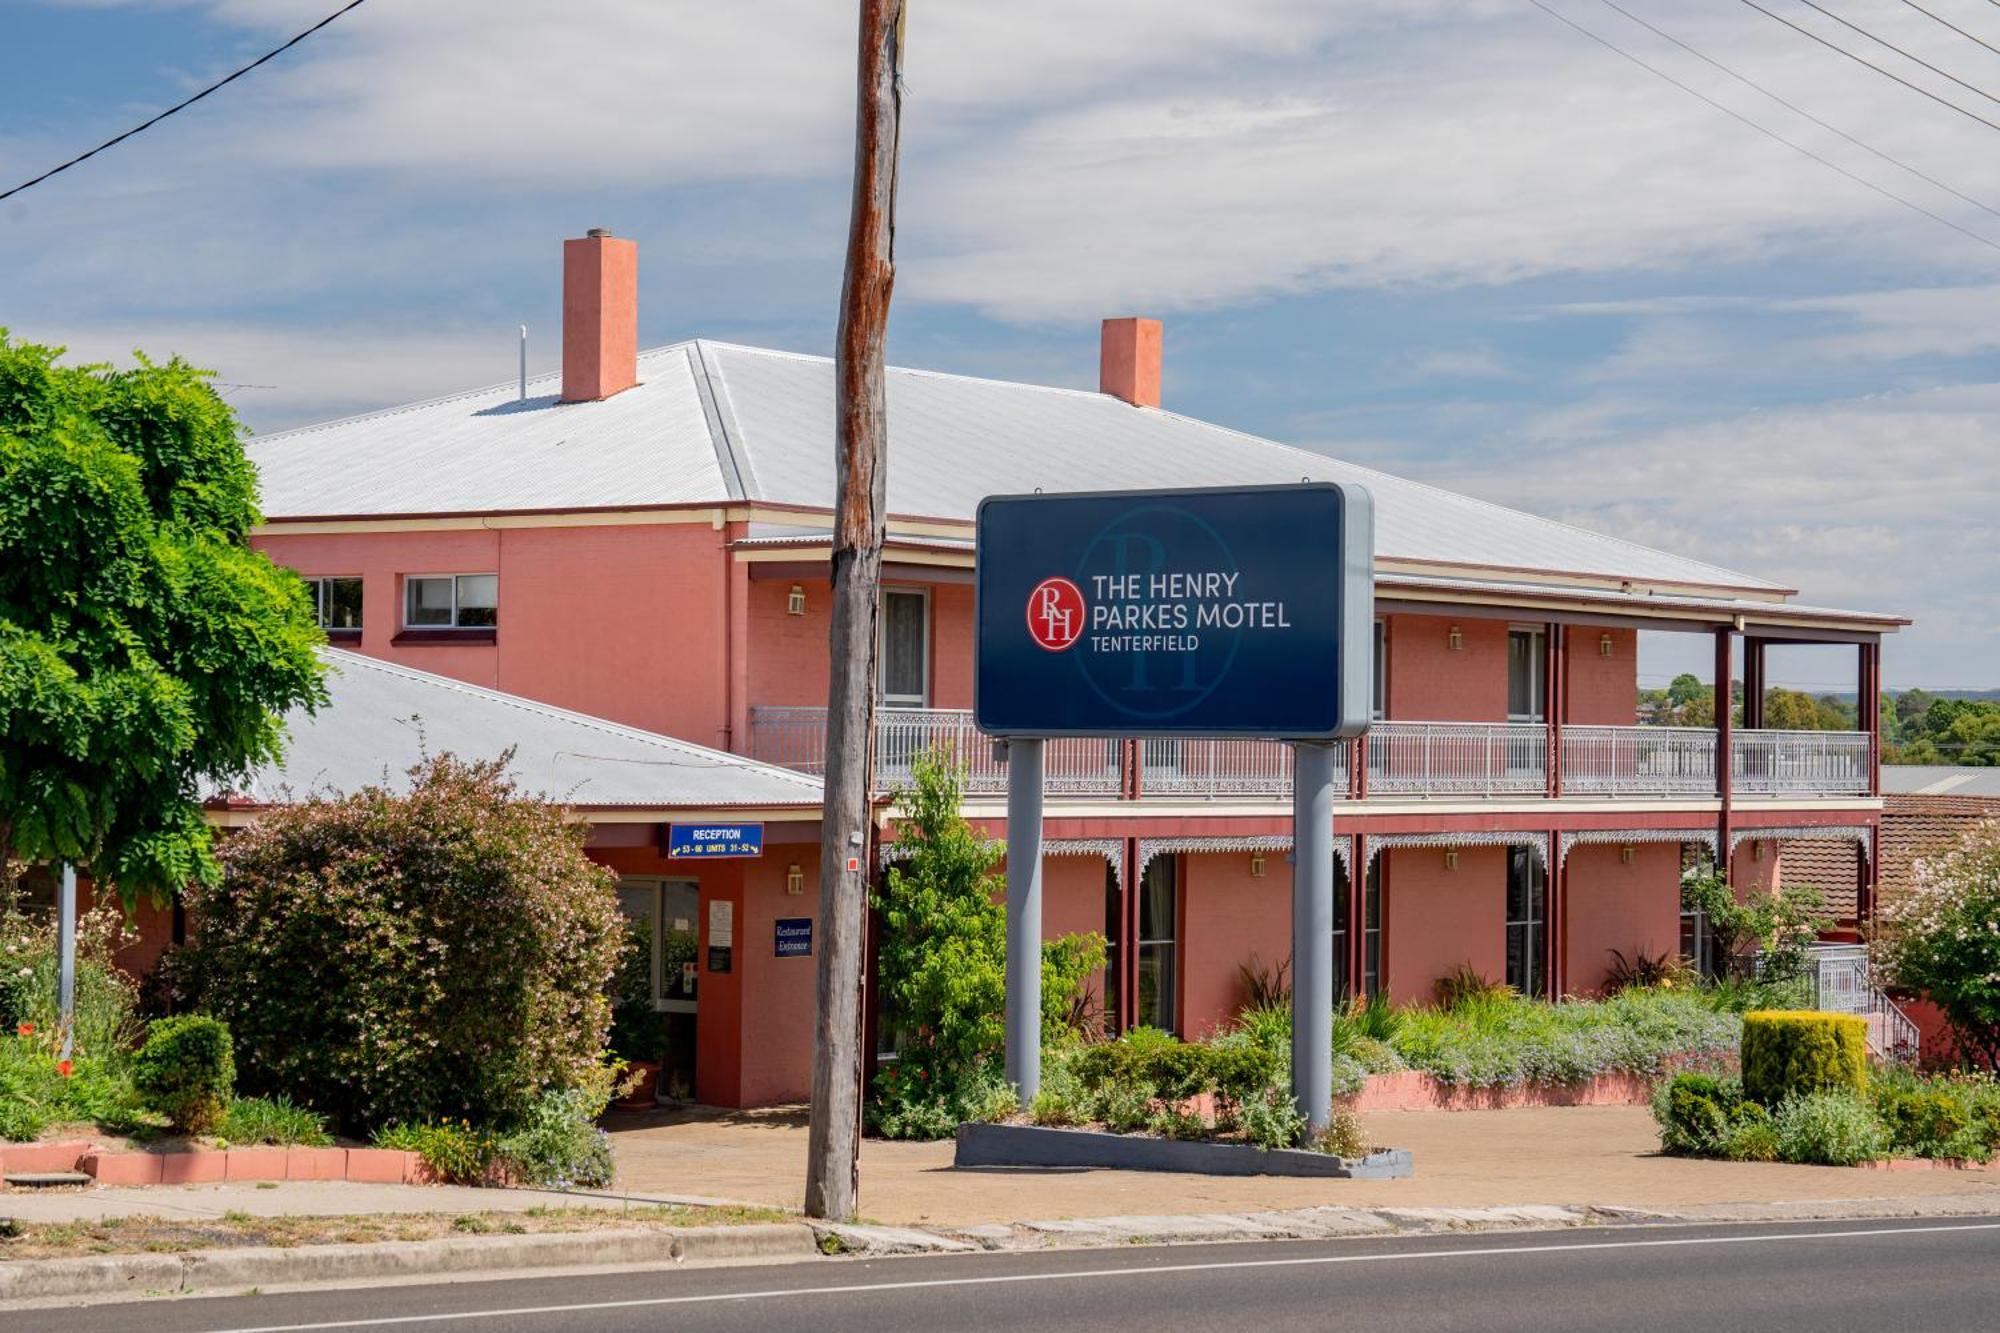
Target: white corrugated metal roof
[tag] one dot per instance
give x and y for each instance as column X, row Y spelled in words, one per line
column 712, row 422
column 383, row 718
column 489, row 450
column 1940, row 780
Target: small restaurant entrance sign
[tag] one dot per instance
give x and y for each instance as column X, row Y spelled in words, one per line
column 703, row 842
column 1245, row 612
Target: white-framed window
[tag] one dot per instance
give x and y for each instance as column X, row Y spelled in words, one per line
column 905, row 649
column 1526, row 661
column 1159, row 925
column 451, row 601
column 1379, row 703
column 1527, row 898
column 336, row 600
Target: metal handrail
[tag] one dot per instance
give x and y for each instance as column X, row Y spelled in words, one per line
column 1843, row 983
column 1638, row 761
column 1769, row 762
column 1458, row 758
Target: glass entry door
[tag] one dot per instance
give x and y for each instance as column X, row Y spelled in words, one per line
column 665, row 914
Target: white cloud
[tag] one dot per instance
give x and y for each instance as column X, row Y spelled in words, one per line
column 1883, row 504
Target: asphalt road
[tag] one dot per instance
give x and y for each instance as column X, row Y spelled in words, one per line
column 1902, row 1276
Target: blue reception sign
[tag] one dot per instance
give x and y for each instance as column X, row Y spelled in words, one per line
column 1239, row 612
column 703, row 842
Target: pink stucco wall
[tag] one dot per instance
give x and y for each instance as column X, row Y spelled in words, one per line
column 1428, row 681
column 1439, row 918
column 1603, row 691
column 1748, row 870
column 1613, row 905
column 787, row 654
column 625, row 623
column 1227, row 916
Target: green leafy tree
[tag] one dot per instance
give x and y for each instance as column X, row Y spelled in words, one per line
column 943, row 964
column 1943, row 940
column 144, row 647
column 1780, row 924
column 1685, row 688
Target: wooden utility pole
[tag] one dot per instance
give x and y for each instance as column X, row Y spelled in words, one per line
column 861, row 466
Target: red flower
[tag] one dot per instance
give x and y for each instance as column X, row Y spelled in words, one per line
column 65, row 1068
column 25, row 1030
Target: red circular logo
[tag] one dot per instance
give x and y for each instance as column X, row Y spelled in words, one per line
column 1055, row 614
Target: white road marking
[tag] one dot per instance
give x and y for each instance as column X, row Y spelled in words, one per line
column 995, row 1279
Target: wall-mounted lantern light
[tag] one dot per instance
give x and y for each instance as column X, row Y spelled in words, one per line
column 1256, row 865
column 795, row 600
column 1451, row 858
column 1455, row 639
column 795, row 880
column 1625, row 854
column 1604, row 645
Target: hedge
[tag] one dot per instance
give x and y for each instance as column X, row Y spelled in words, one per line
column 1795, row 1052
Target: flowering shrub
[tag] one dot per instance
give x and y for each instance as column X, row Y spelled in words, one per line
column 105, row 997
column 1943, row 939
column 410, row 958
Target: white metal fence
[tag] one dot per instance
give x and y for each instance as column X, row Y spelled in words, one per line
column 1458, row 758
column 1786, row 763
column 1404, row 758
column 1638, row 761
column 1843, row 984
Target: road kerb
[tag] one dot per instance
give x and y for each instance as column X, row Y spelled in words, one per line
column 273, row 1266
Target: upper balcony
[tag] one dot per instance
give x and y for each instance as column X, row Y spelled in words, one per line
column 1405, row 759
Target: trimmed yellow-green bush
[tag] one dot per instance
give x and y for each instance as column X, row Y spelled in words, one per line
column 1789, row 1053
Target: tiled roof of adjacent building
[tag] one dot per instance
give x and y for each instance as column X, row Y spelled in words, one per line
column 384, row 718
column 715, row 423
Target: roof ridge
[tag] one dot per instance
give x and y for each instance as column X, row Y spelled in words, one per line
column 344, row 657
column 547, row 377
column 918, row 371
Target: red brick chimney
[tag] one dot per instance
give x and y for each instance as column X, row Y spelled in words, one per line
column 1128, row 361
column 600, row 316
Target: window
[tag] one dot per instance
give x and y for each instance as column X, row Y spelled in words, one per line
column 1158, row 920
column 1524, row 675
column 1371, row 938
column 1526, row 899
column 905, row 649
column 451, row 601
column 1379, row 704
column 1341, row 921
column 1697, row 945
column 336, row 602
column 1114, row 930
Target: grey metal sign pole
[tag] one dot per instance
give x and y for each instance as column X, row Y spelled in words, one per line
column 1313, row 767
column 1024, row 917
column 66, row 955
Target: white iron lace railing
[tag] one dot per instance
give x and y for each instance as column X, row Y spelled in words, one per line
column 1638, row 761
column 795, row 738
column 1790, row 763
column 1458, row 758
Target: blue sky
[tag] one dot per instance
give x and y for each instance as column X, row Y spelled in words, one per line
column 1453, row 240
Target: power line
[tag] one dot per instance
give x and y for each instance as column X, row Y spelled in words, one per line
column 1796, row 109
column 1889, row 45
column 1767, row 132
column 1971, row 37
column 182, row 106
column 1859, row 60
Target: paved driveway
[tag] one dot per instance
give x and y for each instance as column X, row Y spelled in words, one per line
column 1572, row 1155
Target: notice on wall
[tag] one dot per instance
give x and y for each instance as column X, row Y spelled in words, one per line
column 721, row 923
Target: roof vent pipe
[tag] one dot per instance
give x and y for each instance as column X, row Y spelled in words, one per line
column 1128, row 361
column 600, row 348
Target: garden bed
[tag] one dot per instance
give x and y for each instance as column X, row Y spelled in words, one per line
column 1037, row 1145
column 1415, row 1090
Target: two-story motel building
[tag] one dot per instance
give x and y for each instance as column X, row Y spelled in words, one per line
column 645, row 539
